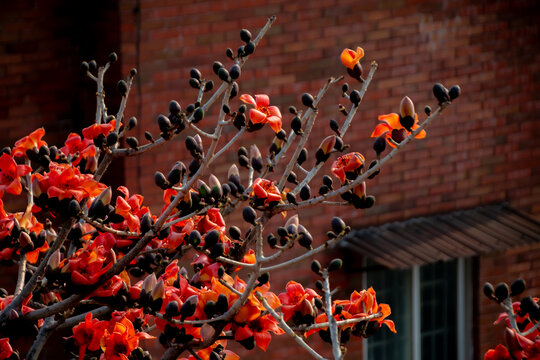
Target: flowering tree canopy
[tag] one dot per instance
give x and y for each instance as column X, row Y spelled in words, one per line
column 96, row 260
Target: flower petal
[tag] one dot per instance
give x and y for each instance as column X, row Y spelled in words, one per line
column 257, row 117
column 248, row 99
column 262, row 100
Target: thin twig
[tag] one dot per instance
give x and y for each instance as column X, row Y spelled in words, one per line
column 334, row 336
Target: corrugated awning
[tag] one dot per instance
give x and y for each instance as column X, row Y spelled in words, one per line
column 448, row 236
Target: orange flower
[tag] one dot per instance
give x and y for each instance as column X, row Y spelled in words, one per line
column 263, row 113
column 74, row 144
column 499, row 353
column 350, row 58
column 65, row 181
column 5, row 348
column 32, row 141
column 10, row 173
column 265, row 189
column 394, row 130
column 122, row 341
column 257, row 332
column 293, row 299
column 88, row 334
column 94, row 130
column 347, row 163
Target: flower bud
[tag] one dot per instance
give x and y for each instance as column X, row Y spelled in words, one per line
column 164, row 123
column 174, row 106
column 307, row 100
column 54, row 260
column 338, row 225
column 335, row 264
column 334, row 125
column 441, row 93
column 263, row 279
column 149, row 283
column 25, row 242
column 406, row 107
column 326, row 146
column 249, row 215
column 235, row 71
column 172, row 309
column 302, row 157
column 245, row 35
column 122, row 87
column 255, row 158
column 160, row 180
column 454, row 92
column 158, row 290
column 305, row 192
column 132, row 142
column 235, row 233
column 316, row 267
column 296, row 125
column 501, row 292
column 188, row 307
column 249, row 48
column 517, row 287
column 488, row 290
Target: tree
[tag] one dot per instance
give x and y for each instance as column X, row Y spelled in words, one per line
column 86, row 244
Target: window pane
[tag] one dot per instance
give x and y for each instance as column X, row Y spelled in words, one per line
column 438, row 311
column 393, row 288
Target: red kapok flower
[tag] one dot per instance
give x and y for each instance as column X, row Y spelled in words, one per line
column 94, row 130
column 263, row 113
column 499, row 353
column 29, row 142
column 265, row 189
column 350, row 58
column 394, row 130
column 10, row 173
column 259, row 329
column 88, row 334
column 292, row 299
column 84, row 147
column 122, row 341
column 5, row 348
column 347, row 163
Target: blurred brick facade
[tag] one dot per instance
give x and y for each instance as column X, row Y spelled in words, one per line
column 484, row 149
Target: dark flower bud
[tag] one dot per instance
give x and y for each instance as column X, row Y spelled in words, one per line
column 292, row 178
column 427, row 110
column 407, row 122
column 174, row 107
column 488, row 290
column 84, row 67
column 146, row 223
column 356, row 72
column 272, row 240
column 132, row 122
column 291, row 198
column 223, row 74
column 240, row 51
column 327, row 180
column 148, row 136
column 529, row 306
column 74, row 208
column 194, row 166
column 194, row 83
column 211, row 238
column 334, row 125
column 354, row 97
column 517, row 287
column 25, row 241
column 379, row 145
column 239, row 121
column 338, row 145
column 226, row 109
column 307, row 100
column 281, row 135
column 235, row 71
column 132, row 72
column 319, row 285
column 454, row 92
column 122, row 87
column 172, row 309
column 302, row 157
column 249, row 215
column 113, row 57
column 160, row 180
column 164, row 123
column 243, row 161
column 345, row 88
column 249, row 48
column 501, row 292
column 316, row 267
column 338, row 309
column 441, row 93
column 235, row 232
column 234, row 90
column 338, row 225
column 190, row 108
column 132, row 142
column 188, row 307
column 305, row 192
column 112, row 138
column 335, row 264
column 398, row 135
column 198, row 115
column 245, row 35
column 194, row 238
column 324, row 190
column 195, row 73
column 282, row 232
column 263, row 279
column 209, row 85
column 92, row 65
column 255, row 158
column 216, row 66
column 173, row 177
column 217, row 250
column 369, row 201
column 229, row 53
column 318, row 303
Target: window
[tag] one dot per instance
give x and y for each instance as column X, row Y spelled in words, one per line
column 431, row 308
